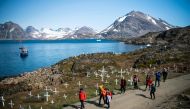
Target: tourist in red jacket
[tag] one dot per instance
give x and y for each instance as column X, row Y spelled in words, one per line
column 82, row 97
column 149, row 82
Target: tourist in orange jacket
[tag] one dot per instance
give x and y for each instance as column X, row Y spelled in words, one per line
column 102, row 93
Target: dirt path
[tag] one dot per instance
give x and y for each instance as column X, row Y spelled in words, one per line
column 138, row 99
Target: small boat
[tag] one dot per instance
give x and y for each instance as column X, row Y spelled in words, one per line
column 98, row 40
column 148, row 45
column 23, row 52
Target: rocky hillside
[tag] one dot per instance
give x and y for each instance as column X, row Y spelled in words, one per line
column 135, row 24
column 175, row 36
column 10, row 30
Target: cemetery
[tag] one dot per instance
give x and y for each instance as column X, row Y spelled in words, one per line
column 58, row 86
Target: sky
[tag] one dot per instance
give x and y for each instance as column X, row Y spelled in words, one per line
column 97, row 14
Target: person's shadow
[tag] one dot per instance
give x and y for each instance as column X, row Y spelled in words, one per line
column 69, row 105
column 142, row 95
column 94, row 103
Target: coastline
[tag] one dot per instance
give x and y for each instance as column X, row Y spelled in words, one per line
column 74, row 69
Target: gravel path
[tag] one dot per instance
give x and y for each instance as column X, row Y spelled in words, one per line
column 139, row 99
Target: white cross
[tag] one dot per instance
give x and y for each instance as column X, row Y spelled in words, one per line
column 102, row 77
column 2, row 100
column 46, row 89
column 145, row 73
column 103, row 71
column 20, row 107
column 52, row 102
column 85, row 86
column 55, row 91
column 65, row 96
column 30, row 94
column 168, row 68
column 96, row 74
column 96, row 92
column 29, row 107
column 107, row 76
column 154, row 68
column 131, row 69
column 97, row 85
column 41, row 107
column 88, row 74
column 79, row 84
column 131, row 81
column 116, row 81
column 106, row 82
column 11, row 104
column 117, row 75
column 121, row 73
column 127, row 72
column 38, row 96
column 46, row 95
column 66, row 85
column 136, row 70
column 150, row 65
column 112, row 72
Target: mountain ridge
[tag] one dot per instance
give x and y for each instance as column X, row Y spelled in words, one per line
column 134, row 24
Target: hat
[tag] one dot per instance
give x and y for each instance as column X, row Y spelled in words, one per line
column 81, row 88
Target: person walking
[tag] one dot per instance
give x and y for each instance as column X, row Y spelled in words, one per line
column 152, row 91
column 82, row 97
column 102, row 93
column 135, row 81
column 158, row 76
column 148, row 82
column 147, row 79
column 108, row 97
column 164, row 74
column 123, row 85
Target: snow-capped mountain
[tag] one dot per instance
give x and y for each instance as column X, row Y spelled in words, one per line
column 33, row 32
column 135, row 24
column 60, row 33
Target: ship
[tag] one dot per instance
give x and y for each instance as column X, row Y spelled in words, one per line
column 23, row 52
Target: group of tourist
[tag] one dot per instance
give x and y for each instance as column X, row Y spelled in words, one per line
column 106, row 95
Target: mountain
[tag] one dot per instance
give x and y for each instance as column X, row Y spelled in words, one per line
column 33, row 32
column 135, row 24
column 85, row 32
column 174, row 37
column 10, row 30
column 67, row 33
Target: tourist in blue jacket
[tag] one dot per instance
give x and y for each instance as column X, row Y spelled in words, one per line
column 158, row 76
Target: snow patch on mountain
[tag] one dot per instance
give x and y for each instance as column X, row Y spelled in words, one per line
column 122, row 18
column 167, row 28
column 151, row 19
column 12, row 29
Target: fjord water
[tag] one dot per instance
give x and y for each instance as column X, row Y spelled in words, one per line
column 46, row 53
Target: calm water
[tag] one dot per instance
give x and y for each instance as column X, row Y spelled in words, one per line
column 46, row 53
